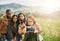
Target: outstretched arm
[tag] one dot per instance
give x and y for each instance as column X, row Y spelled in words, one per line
column 38, row 30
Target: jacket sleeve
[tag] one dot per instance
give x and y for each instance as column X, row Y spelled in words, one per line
column 0, row 27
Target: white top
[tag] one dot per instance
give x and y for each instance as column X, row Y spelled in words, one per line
column 25, row 30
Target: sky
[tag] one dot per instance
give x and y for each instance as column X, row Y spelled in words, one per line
column 33, row 2
column 46, row 4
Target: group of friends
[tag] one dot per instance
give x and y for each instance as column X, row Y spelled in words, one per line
column 12, row 28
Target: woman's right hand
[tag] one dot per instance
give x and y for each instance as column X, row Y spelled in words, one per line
column 21, row 30
column 22, row 25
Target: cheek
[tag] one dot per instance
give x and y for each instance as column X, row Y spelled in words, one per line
column 22, row 17
column 30, row 23
column 14, row 20
column 9, row 15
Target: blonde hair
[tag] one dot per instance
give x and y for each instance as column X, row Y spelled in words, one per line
column 31, row 17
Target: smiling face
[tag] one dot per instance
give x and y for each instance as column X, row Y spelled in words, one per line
column 8, row 13
column 15, row 19
column 30, row 22
column 21, row 17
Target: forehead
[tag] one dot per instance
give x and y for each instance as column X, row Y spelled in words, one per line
column 15, row 16
column 21, row 15
column 29, row 19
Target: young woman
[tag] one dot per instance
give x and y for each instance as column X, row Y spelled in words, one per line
column 21, row 18
column 30, row 36
column 12, row 28
column 21, row 22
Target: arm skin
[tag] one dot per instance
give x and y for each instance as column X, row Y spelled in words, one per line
column 37, row 28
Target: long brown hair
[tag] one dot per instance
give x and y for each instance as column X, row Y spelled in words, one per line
column 20, row 14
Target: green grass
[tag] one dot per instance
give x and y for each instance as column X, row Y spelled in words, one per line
column 1, row 14
column 50, row 29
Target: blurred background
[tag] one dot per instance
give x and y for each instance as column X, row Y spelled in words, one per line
column 46, row 13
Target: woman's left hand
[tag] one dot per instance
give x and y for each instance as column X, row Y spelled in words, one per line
column 37, row 28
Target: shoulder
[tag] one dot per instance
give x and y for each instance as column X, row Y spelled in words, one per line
column 3, row 17
column 39, row 26
column 36, row 24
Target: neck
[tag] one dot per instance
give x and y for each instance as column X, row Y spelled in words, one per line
column 14, row 22
column 8, row 17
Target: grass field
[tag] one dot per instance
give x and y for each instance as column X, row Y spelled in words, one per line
column 50, row 29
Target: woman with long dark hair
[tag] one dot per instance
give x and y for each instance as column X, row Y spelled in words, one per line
column 13, row 28
column 21, row 18
column 21, row 22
